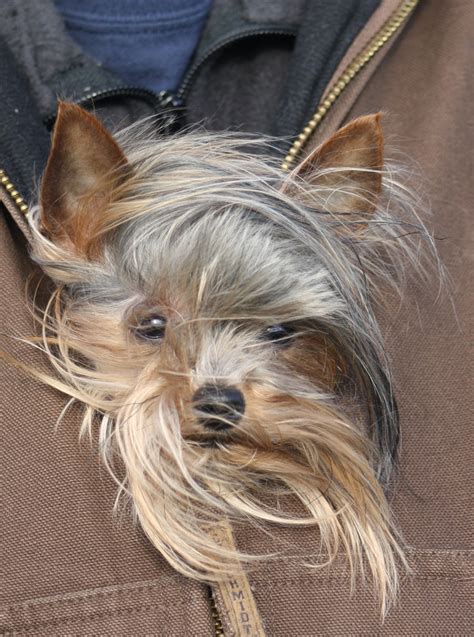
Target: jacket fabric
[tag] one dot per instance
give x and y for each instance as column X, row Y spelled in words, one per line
column 69, row 566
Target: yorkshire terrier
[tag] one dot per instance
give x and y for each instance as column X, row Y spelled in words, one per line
column 216, row 317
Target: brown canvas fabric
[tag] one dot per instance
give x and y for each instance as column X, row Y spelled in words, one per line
column 70, row 568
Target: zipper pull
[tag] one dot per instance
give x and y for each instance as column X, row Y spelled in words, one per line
column 167, row 99
column 173, row 118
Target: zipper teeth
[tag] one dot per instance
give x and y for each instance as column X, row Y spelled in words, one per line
column 391, row 26
column 154, row 99
column 188, row 78
column 117, row 90
column 15, row 196
column 218, row 628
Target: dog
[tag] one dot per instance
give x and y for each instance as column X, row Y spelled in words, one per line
column 216, row 317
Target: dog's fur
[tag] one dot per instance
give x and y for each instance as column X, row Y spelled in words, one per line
column 267, row 282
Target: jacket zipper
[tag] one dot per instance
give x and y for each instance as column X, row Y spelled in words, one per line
column 216, row 618
column 13, row 193
column 158, row 101
column 167, row 99
column 391, row 26
column 189, row 76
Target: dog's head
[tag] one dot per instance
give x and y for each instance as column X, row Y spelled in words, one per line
column 216, row 313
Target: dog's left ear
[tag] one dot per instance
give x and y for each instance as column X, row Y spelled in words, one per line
column 346, row 169
column 85, row 166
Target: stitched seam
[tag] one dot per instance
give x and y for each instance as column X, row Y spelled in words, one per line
column 144, row 587
column 412, row 552
column 97, row 615
column 326, row 580
column 449, row 552
column 86, row 596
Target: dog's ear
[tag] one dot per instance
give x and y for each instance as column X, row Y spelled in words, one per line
column 85, row 166
column 346, row 169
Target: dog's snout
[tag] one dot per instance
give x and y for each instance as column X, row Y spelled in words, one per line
column 218, row 407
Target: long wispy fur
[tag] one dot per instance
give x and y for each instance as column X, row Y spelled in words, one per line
column 215, row 237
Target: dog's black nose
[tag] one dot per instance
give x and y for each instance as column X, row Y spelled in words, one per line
column 218, row 407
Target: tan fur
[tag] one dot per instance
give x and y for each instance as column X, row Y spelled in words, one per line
column 222, row 245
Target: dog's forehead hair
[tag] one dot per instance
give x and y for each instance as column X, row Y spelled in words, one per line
column 221, row 265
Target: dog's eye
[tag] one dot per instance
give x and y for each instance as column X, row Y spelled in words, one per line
column 151, row 328
column 280, row 334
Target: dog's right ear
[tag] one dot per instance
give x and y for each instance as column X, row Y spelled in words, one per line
column 85, row 166
column 346, row 170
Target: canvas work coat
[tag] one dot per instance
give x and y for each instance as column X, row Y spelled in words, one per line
column 69, row 567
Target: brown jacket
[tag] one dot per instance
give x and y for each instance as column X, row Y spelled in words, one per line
column 70, row 568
